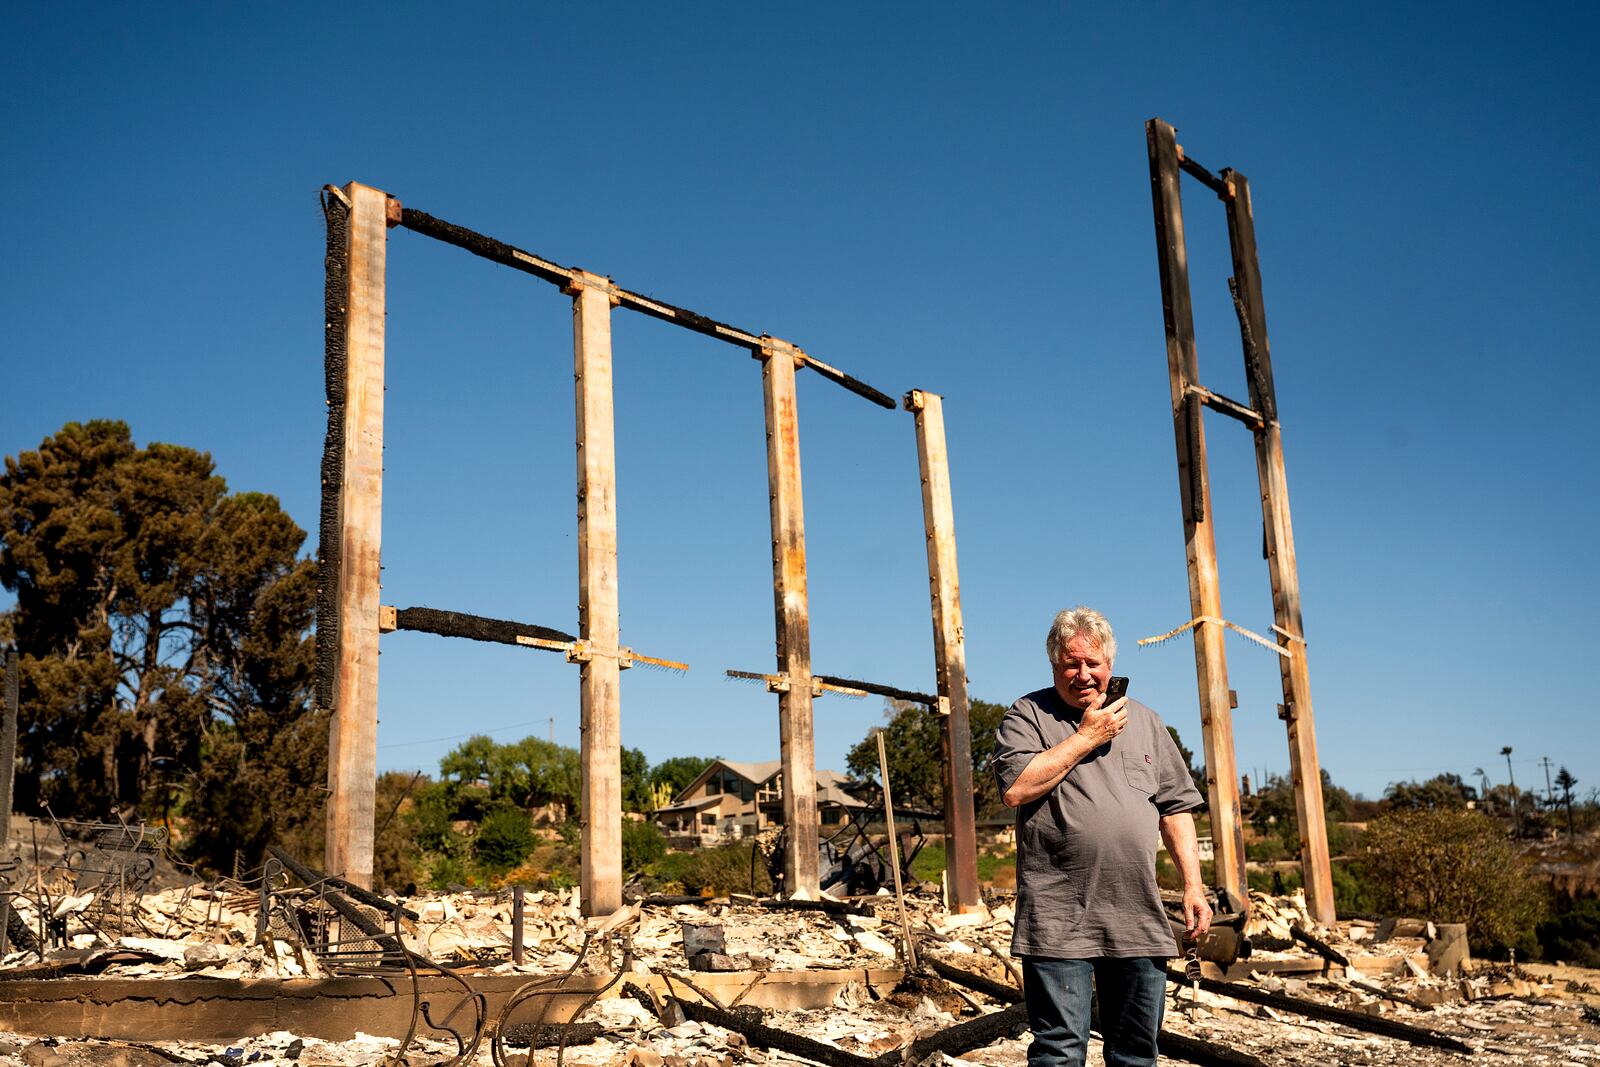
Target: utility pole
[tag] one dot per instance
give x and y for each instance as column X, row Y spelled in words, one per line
column 1516, row 804
column 1549, row 792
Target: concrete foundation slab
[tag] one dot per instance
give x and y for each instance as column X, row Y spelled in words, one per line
column 334, row 1009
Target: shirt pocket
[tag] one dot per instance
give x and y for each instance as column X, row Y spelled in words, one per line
column 1139, row 767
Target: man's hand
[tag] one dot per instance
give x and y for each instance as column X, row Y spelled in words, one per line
column 1101, row 725
column 1196, row 912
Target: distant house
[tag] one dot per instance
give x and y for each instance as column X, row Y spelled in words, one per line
column 731, row 799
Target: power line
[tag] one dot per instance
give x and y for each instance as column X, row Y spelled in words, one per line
column 458, row 737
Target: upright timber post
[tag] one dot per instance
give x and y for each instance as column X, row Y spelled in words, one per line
column 1205, row 597
column 8, row 742
column 599, row 629
column 356, row 524
column 949, row 649
column 791, row 611
column 1304, row 766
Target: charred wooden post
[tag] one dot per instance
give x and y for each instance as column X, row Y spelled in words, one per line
column 1356, row 1020
column 791, row 611
column 352, row 493
column 600, row 878
column 8, row 742
column 1304, row 767
column 1205, row 596
column 949, row 649
column 517, row 922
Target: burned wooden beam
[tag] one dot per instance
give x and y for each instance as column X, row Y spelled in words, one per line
column 927, row 699
column 1229, row 407
column 1200, row 548
column 8, row 739
column 1398, row 998
column 360, row 895
column 1304, row 766
column 792, row 617
column 352, row 526
column 1355, row 1020
column 949, row 650
column 831, row 907
column 310, row 876
column 747, row 1021
column 551, row 1035
column 1203, row 176
column 474, row 627
column 599, row 619
column 1319, row 946
column 508, row 255
column 976, row 1033
column 1003, row 992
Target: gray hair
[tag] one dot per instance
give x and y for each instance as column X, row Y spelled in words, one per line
column 1077, row 621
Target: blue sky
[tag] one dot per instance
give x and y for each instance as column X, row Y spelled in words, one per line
column 928, row 196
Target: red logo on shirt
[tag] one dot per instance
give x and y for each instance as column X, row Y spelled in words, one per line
column 1147, row 757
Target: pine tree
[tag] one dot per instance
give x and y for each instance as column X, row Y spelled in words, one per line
column 163, row 626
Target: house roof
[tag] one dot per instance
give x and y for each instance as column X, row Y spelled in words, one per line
column 693, row 805
column 828, row 782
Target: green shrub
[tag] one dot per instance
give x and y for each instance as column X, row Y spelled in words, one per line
column 642, row 845
column 1453, row 865
column 1572, row 935
column 1266, row 850
column 720, row 870
column 504, row 838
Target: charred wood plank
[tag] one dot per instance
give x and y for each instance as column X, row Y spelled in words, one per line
column 551, row 1035
column 747, row 1021
column 474, row 627
column 363, row 896
column 1379, row 991
column 1204, row 176
column 18, row 934
column 515, row 258
column 1004, row 992
column 1319, row 946
column 341, row 904
column 964, row 1037
column 832, row 907
column 1355, row 1020
column 926, row 699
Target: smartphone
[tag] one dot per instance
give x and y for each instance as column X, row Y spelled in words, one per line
column 1116, row 689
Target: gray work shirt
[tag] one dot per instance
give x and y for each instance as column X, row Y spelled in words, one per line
column 1086, row 851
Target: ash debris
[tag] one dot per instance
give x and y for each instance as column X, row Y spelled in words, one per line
column 818, row 982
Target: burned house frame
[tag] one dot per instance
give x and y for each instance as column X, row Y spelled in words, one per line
column 1167, row 163
column 350, row 616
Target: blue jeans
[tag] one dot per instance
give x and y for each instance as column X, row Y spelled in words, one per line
column 1060, row 997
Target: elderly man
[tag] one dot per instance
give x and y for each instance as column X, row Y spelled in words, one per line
column 1091, row 785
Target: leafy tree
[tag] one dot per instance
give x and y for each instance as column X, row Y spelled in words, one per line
column 913, row 742
column 1449, row 864
column 677, row 772
column 635, row 781
column 162, row 625
column 530, row 773
column 1272, row 811
column 1196, row 775
column 1440, row 791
